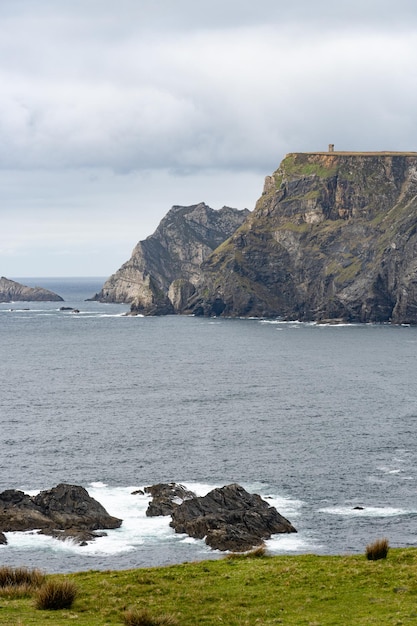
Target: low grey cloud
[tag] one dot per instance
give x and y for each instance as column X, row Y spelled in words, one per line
column 192, row 92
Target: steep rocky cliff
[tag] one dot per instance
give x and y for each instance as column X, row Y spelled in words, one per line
column 160, row 276
column 11, row 291
column 333, row 236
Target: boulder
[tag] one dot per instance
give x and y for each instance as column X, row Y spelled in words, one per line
column 70, row 506
column 19, row 512
column 166, row 497
column 63, row 508
column 229, row 518
column 3, row 540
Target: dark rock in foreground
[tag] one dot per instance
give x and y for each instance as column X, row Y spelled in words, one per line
column 229, row 518
column 66, row 508
column 166, row 497
column 11, row 291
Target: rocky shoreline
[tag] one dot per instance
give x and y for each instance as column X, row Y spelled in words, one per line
column 228, row 518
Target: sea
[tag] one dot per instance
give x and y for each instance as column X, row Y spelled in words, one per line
column 320, row 420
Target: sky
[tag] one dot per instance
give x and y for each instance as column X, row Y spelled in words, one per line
column 112, row 112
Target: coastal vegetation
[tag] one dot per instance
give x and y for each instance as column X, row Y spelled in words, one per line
column 238, row 590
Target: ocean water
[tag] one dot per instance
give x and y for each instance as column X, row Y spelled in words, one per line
column 317, row 419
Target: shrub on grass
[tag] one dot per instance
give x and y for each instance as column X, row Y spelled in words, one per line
column 142, row 617
column 377, row 550
column 18, row 582
column 20, row 576
column 55, row 595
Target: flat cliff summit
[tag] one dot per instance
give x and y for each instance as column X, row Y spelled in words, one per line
column 333, row 237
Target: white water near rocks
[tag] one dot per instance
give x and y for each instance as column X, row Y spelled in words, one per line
column 316, row 419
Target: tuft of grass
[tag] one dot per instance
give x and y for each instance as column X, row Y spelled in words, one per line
column 142, row 617
column 377, row 550
column 19, row 582
column 19, row 576
column 55, row 595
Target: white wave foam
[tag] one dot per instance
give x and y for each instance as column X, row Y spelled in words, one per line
column 368, row 511
column 138, row 530
column 293, row 542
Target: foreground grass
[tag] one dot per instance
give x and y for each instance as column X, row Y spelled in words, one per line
column 292, row 590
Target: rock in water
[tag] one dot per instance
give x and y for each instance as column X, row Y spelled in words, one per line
column 70, row 506
column 11, row 291
column 229, row 518
column 166, row 497
column 67, row 508
column 333, row 237
column 173, row 254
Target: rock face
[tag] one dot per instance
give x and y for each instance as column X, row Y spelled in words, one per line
column 163, row 269
column 229, row 518
column 10, row 291
column 166, row 498
column 65, row 510
column 333, row 237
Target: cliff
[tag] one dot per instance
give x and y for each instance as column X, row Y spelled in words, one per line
column 163, row 269
column 333, row 237
column 11, row 291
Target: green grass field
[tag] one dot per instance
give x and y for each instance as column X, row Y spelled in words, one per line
column 303, row 590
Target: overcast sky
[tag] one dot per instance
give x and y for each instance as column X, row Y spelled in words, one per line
column 112, row 112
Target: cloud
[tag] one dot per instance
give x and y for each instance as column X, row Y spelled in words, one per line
column 213, row 99
column 190, row 97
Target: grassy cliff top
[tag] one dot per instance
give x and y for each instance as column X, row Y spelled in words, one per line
column 357, row 153
column 254, row 589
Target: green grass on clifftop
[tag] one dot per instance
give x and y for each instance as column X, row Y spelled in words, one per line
column 291, row 590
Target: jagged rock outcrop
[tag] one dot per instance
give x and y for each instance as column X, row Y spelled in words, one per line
column 64, row 511
column 333, row 237
column 162, row 270
column 229, row 518
column 166, row 497
column 11, row 291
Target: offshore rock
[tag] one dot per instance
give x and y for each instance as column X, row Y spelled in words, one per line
column 163, row 268
column 11, row 291
column 166, row 497
column 333, row 237
column 63, row 508
column 229, row 518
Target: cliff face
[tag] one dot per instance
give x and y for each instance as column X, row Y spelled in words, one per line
column 11, row 291
column 333, row 236
column 160, row 275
